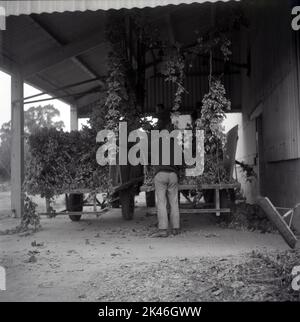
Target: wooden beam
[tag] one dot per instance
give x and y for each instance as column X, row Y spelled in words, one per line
column 75, row 213
column 73, row 118
column 153, row 211
column 204, row 186
column 68, row 51
column 17, row 144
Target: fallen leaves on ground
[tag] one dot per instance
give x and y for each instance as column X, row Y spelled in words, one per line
column 253, row 277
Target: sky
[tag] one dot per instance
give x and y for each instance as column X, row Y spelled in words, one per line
column 5, row 112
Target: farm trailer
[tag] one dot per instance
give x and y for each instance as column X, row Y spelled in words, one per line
column 127, row 181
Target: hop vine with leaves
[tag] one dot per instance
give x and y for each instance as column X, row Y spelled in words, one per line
column 215, row 105
column 174, row 71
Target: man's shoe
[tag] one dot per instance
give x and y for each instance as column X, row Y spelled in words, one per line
column 176, row 231
column 160, row 234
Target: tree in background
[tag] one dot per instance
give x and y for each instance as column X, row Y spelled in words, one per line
column 35, row 117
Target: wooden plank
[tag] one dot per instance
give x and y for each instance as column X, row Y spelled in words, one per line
column 278, row 221
column 74, row 213
column 76, row 191
column 222, row 186
column 230, row 151
column 153, row 211
column 17, row 145
column 148, row 188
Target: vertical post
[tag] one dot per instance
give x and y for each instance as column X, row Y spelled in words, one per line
column 217, row 205
column 73, row 118
column 17, row 144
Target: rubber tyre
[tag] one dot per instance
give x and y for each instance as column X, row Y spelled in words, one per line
column 127, row 204
column 74, row 202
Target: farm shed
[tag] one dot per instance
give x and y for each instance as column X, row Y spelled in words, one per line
column 60, row 48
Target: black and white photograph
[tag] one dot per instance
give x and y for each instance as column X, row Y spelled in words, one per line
column 150, row 153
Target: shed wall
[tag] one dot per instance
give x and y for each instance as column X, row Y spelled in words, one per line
column 273, row 90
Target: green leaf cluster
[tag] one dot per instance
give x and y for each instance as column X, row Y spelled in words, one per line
column 60, row 161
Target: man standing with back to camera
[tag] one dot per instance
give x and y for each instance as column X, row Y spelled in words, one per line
column 166, row 183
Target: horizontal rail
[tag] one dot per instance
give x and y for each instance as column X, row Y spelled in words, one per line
column 193, row 211
column 74, row 213
column 221, row 186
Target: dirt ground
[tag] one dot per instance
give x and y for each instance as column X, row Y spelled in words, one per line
column 109, row 259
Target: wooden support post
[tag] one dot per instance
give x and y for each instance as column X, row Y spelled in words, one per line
column 217, row 206
column 48, row 205
column 73, row 118
column 17, row 145
column 95, row 203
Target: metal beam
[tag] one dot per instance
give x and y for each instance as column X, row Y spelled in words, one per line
column 68, row 51
column 63, row 88
column 50, row 88
column 7, row 64
column 76, row 60
column 77, row 95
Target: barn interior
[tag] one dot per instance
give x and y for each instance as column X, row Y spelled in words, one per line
column 63, row 52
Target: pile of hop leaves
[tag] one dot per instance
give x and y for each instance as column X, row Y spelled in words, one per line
column 30, row 221
column 30, row 216
column 247, row 217
column 60, row 162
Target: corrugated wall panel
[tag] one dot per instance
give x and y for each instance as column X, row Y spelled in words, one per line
column 160, row 92
column 273, row 81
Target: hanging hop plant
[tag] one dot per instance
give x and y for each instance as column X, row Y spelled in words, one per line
column 120, row 100
column 174, row 71
column 214, row 108
column 216, row 42
column 115, row 92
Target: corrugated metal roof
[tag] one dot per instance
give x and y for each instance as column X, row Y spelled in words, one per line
column 29, row 7
column 30, row 38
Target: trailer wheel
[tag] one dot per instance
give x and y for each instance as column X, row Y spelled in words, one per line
column 150, row 199
column 74, row 202
column 127, row 204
